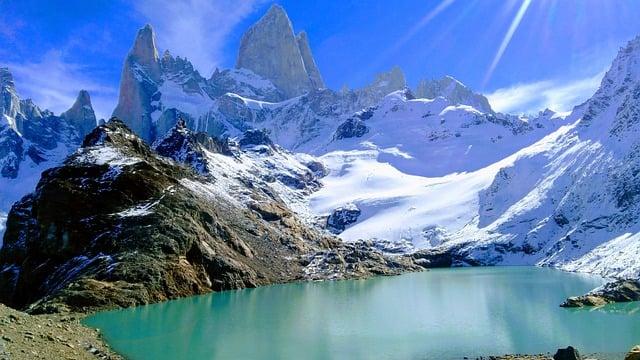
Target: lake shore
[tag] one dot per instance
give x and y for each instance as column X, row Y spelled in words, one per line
column 55, row 336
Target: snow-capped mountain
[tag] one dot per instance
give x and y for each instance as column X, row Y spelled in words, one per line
column 492, row 189
column 153, row 88
column 276, row 86
column 572, row 200
column 414, row 167
column 32, row 140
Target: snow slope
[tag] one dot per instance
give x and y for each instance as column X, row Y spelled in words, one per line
column 556, row 190
column 409, row 191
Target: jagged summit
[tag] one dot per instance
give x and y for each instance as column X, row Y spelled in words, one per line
column 140, row 74
column 9, row 100
column 614, row 109
column 453, row 90
column 270, row 49
column 144, row 50
column 81, row 114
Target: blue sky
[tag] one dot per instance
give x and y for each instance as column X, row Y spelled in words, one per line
column 524, row 54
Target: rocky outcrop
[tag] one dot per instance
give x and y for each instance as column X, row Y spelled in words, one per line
column 569, row 353
column 119, row 225
column 342, row 217
column 81, row 114
column 454, row 91
column 617, row 291
column 633, row 354
column 270, row 49
column 354, row 126
column 253, row 137
column 187, row 147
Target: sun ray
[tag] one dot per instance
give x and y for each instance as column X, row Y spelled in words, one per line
column 507, row 39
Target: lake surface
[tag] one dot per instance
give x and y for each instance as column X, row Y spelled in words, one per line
column 439, row 314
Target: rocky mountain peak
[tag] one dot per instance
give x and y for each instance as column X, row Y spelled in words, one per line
column 454, row 91
column 115, row 134
column 81, row 114
column 392, row 80
column 270, row 49
column 9, row 100
column 144, row 50
column 615, row 107
column 6, row 79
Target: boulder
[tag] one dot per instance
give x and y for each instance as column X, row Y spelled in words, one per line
column 570, row 353
column 342, row 217
column 633, row 354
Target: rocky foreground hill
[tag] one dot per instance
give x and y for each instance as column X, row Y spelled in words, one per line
column 119, row 225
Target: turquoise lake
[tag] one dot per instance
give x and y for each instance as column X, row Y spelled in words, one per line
column 438, row 314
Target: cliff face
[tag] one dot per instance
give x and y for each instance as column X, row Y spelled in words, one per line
column 271, row 49
column 138, row 85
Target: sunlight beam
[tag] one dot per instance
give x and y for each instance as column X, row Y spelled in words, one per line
column 507, row 39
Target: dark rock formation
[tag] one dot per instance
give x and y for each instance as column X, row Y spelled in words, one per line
column 185, row 146
column 617, row 291
column 253, row 137
column 570, row 353
column 342, row 217
column 352, row 127
column 633, row 354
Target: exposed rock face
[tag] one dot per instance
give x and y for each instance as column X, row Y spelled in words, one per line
column 570, row 353
column 309, row 62
column 617, row 291
column 254, row 137
column 118, row 225
column 454, row 91
column 270, row 49
column 155, row 92
column 342, row 217
column 139, row 85
column 187, row 147
column 81, row 114
column 354, row 126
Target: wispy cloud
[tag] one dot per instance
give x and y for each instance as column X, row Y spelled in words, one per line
column 553, row 94
column 196, row 29
column 54, row 84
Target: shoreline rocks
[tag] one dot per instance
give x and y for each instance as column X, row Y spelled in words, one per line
column 24, row 336
column 617, row 291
